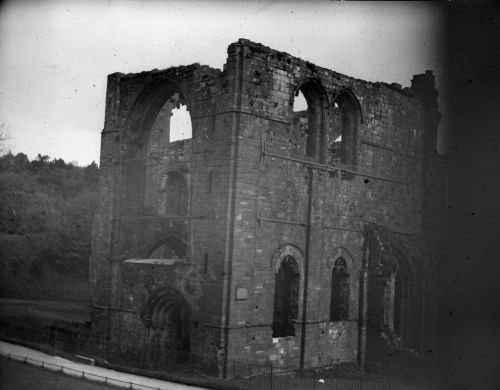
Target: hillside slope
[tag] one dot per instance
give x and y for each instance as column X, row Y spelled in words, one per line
column 46, row 211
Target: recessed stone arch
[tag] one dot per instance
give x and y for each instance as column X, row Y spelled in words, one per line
column 340, row 252
column 342, row 137
column 405, row 261
column 348, row 93
column 167, row 320
column 284, row 251
column 311, row 122
column 174, row 186
column 313, row 81
column 147, row 139
column 288, row 266
column 340, row 266
column 148, row 105
column 176, row 243
column 407, row 310
column 395, row 293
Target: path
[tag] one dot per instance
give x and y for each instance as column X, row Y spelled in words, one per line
column 94, row 373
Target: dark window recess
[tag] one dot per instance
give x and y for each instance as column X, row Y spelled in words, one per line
column 168, row 319
column 342, row 136
column 176, row 193
column 308, row 117
column 170, row 248
column 339, row 302
column 134, row 186
column 403, row 307
column 286, row 298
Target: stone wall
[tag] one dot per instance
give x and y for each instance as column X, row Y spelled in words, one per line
column 276, row 185
column 261, row 184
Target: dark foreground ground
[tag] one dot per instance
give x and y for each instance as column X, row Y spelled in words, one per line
column 20, row 376
column 22, row 322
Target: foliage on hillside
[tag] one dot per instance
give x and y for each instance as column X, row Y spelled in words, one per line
column 46, row 211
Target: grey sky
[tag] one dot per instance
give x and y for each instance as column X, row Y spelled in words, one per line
column 55, row 55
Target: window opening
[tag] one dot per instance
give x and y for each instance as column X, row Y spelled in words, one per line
column 164, row 252
column 339, row 301
column 307, row 118
column 286, row 298
column 180, row 124
column 299, row 103
column 342, row 137
column 403, row 307
column 173, row 123
column 172, row 247
column 176, row 194
column 134, row 186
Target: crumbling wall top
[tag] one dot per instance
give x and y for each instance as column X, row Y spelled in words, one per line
column 287, row 58
column 175, row 72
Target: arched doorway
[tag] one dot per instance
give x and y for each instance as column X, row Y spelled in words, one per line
column 394, row 320
column 167, row 319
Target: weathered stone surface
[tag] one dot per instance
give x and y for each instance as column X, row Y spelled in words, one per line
column 262, row 183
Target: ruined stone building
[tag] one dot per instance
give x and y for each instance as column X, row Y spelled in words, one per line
column 304, row 237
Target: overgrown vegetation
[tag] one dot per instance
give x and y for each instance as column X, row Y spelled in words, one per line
column 46, row 212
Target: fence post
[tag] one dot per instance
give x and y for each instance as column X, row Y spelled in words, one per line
column 272, row 376
column 55, row 341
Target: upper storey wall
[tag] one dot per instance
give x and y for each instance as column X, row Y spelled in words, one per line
column 134, row 100
column 137, row 159
column 290, row 192
column 387, row 144
column 390, row 117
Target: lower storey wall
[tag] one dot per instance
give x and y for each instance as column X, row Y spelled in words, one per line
column 327, row 343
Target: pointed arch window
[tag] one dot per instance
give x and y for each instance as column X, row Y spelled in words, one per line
column 172, row 123
column 308, row 113
column 160, row 118
column 175, row 187
column 286, row 296
column 342, row 137
column 339, row 301
column 172, row 247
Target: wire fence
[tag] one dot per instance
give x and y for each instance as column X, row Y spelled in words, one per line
column 190, row 369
